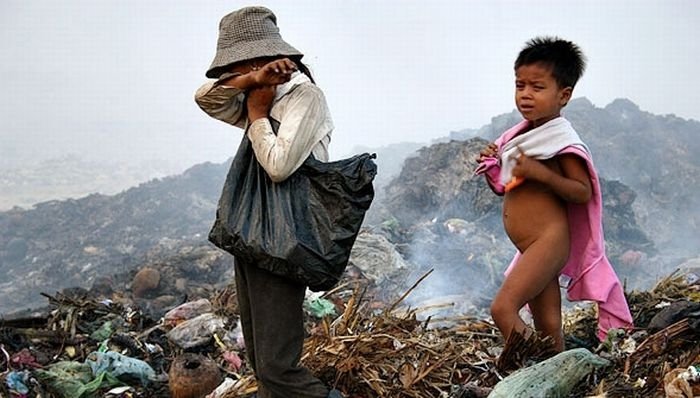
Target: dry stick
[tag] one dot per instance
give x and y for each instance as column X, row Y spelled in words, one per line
column 656, row 343
column 388, row 311
column 481, row 334
column 427, row 371
column 434, row 306
column 353, row 342
column 7, row 358
column 356, row 312
column 335, row 289
column 351, row 308
column 455, row 318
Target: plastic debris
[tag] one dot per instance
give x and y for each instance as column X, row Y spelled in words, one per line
column 104, row 332
column 673, row 313
column 120, row 366
column 234, row 338
column 70, row 351
column 196, row 331
column 25, row 358
column 233, row 360
column 72, row 379
column 223, row 388
column 187, row 311
column 17, row 382
column 320, row 307
column 120, row 390
column 554, row 377
column 677, row 382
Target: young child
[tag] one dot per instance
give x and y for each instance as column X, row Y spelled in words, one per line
column 552, row 207
column 263, row 88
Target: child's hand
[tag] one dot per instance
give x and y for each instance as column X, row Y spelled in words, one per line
column 259, row 102
column 527, row 167
column 490, row 151
column 276, row 72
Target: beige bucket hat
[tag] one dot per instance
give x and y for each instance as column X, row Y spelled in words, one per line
column 245, row 34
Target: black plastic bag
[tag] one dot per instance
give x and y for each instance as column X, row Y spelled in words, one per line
column 302, row 228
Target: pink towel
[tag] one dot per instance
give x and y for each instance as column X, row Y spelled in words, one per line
column 591, row 275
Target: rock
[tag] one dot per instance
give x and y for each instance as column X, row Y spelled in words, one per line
column 160, row 304
column 439, row 183
column 180, row 284
column 620, row 223
column 145, row 282
column 376, row 257
column 16, row 250
column 103, row 286
column 675, row 312
column 113, row 234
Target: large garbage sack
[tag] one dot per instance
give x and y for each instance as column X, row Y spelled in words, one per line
column 554, row 377
column 303, row 227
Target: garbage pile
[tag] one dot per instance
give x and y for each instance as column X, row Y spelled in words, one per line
column 360, row 341
column 61, row 244
column 166, row 323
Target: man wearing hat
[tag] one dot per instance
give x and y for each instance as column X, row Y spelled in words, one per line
column 262, row 83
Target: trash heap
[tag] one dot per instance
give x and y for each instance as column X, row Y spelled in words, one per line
column 359, row 342
column 166, row 323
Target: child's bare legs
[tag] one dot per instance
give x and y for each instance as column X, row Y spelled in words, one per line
column 534, row 281
column 546, row 312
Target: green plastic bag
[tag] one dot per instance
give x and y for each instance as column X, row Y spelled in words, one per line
column 320, row 307
column 554, row 377
column 120, row 366
column 74, row 380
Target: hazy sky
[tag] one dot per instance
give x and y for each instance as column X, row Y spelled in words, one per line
column 115, row 79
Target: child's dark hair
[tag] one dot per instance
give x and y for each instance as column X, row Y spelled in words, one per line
column 565, row 58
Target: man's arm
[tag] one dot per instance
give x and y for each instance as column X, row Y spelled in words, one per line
column 305, row 123
column 224, row 98
column 223, row 102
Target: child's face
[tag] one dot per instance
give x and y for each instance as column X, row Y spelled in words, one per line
column 537, row 95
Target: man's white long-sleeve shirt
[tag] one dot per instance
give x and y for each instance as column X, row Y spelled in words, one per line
column 305, row 124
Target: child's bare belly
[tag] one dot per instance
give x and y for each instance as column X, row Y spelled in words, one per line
column 533, row 212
